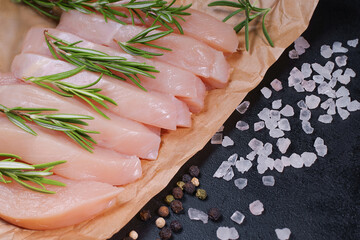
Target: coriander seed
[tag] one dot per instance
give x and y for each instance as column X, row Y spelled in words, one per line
column 160, row 222
column 175, row 226
column 201, row 194
column 145, row 215
column 195, row 181
column 163, row 211
column 186, row 178
column 165, row 233
column 214, row 214
column 176, row 206
column 169, row 199
column 189, row 188
column 194, row 171
column 134, row 235
column 177, row 193
column 180, row 184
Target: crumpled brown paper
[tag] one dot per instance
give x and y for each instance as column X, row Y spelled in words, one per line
column 287, row 20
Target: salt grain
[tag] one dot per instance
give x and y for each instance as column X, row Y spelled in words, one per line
column 326, row 104
column 283, row 144
column 293, row 54
column 242, row 126
column 276, row 104
column 276, row 85
column 344, row 114
column 229, row 175
column 227, row 142
column 255, row 144
column 312, row 101
column 232, row 159
column 301, row 104
column 240, row 183
column 256, row 207
column 343, row 101
column 344, row 79
column 283, row 234
column 333, row 82
column 195, row 214
column 332, row 108
column 309, row 158
column 301, row 44
column 296, row 161
column 321, row 70
column 326, row 51
column 268, row 180
column 275, row 115
column 258, row 126
column 284, row 124
column 338, row 48
column 266, row 92
column 222, row 170
column 271, row 124
column 329, row 66
column 309, row 86
column 296, row 76
column 325, row 118
column 251, row 155
column 306, row 70
column 298, row 87
column 243, row 107
column 225, row 233
column 238, row 217
column 306, row 126
column 269, row 162
column 342, row 91
column 318, row 78
column 353, row 106
column 353, row 43
column 287, row 111
column 337, row 73
column 341, row 60
column 278, row 165
column 217, row 138
column 318, row 142
column 349, row 72
column 276, row 133
column 320, row 147
column 305, row 114
column 264, row 114
column 243, row 165
column 285, row 161
column 261, row 168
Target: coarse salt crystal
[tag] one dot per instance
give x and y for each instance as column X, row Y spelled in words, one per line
column 268, row 180
column 238, row 217
column 306, row 126
column 349, row 72
column 255, row 144
column 264, row 114
column 318, row 78
column 321, row 70
column 305, row 114
column 344, row 79
column 276, row 104
column 243, row 107
column 227, row 142
column 242, row 126
column 326, row 51
column 225, row 233
column 344, row 114
column 332, row 108
column 240, row 183
column 229, row 175
column 298, row 87
column 259, row 125
column 217, row 138
column 243, row 165
column 283, row 234
column 296, row 161
column 293, row 54
column 342, row 91
column 251, row 155
column 325, row 118
column 284, row 124
column 341, row 60
column 276, row 133
column 312, row 101
column 309, row 158
column 306, row 70
column 283, row 144
column 276, row 85
column 232, row 159
column 353, row 43
column 285, row 161
column 301, row 104
column 223, row 169
column 221, row 129
column 353, row 106
column 278, row 165
column 301, row 44
column 309, row 86
column 261, row 168
column 287, row 111
column 343, row 101
column 338, row 48
column 195, row 214
column 266, row 92
column 256, row 207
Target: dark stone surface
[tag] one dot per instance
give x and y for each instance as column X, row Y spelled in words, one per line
column 320, row 202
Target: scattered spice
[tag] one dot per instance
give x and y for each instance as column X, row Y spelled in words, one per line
column 189, row 188
column 201, row 194
column 169, row 199
column 165, row 233
column 175, row 226
column 177, row 193
column 180, row 184
column 176, row 206
column 195, row 181
column 186, row 178
column 160, row 222
column 214, row 214
column 133, row 235
column 194, row 171
column 163, row 211
column 145, row 215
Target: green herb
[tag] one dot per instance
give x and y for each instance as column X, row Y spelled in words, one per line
column 143, row 38
column 22, row 173
column 161, row 11
column 62, row 122
column 251, row 12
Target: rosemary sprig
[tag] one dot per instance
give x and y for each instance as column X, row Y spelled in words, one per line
column 161, row 11
column 21, row 173
column 98, row 61
column 251, row 12
column 61, row 122
column 143, row 38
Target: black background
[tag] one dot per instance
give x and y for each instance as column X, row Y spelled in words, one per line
column 320, row 202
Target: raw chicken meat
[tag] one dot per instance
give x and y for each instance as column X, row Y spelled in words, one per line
column 119, row 134
column 172, row 80
column 77, row 202
column 187, row 53
column 151, row 108
column 103, row 165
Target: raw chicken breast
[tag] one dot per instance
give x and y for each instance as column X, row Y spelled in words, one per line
column 119, row 134
column 77, row 202
column 170, row 79
column 151, row 108
column 8, row 78
column 200, row 26
column 187, row 53
column 103, row 165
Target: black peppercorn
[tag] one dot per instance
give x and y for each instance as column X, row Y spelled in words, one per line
column 186, row 178
column 163, row 211
column 145, row 215
column 177, row 193
column 194, row 171
column 176, row 206
column 214, row 214
column 175, row 226
column 189, row 188
column 165, row 233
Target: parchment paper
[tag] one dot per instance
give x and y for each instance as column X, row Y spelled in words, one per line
column 287, row 20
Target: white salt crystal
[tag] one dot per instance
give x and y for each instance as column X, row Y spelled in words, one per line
column 337, row 73
column 242, row 126
column 306, row 70
column 326, row 51
column 353, row 106
column 217, row 138
column 298, row 87
column 341, row 60
column 342, row 91
column 321, row 150
column 309, row 86
column 305, row 114
column 343, row 101
column 333, row 82
column 256, row 207
column 312, row 101
column 318, row 142
column 266, row 92
column 276, row 104
column 255, row 144
column 276, row 133
column 329, row 66
column 275, row 115
column 349, row 72
column 258, row 126
column 264, row 114
column 326, row 104
column 225, row 233
column 283, row 144
column 232, row 159
column 238, row 217
column 309, row 158
column 266, row 150
column 243, row 107
column 261, row 168
column 284, row 124
column 271, row 124
column 338, row 48
column 301, row 44
column 227, row 142
column 332, row 108
column 278, row 165
column 353, row 43
column 301, row 104
column 234, row 233
column 325, row 118
column 287, row 111
column 222, row 170
column 240, row 183
column 306, row 126
column 285, row 161
column 293, row 54
column 324, row 88
column 221, row 129
column 344, row 114
column 195, row 214
column 269, row 162
column 283, row 234
column 344, row 79
column 229, row 175
column 243, row 165
column 296, row 161
column 296, row 76
column 268, row 180
column 321, row 70
column 276, row 85
column 318, row 78
column 251, row 155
